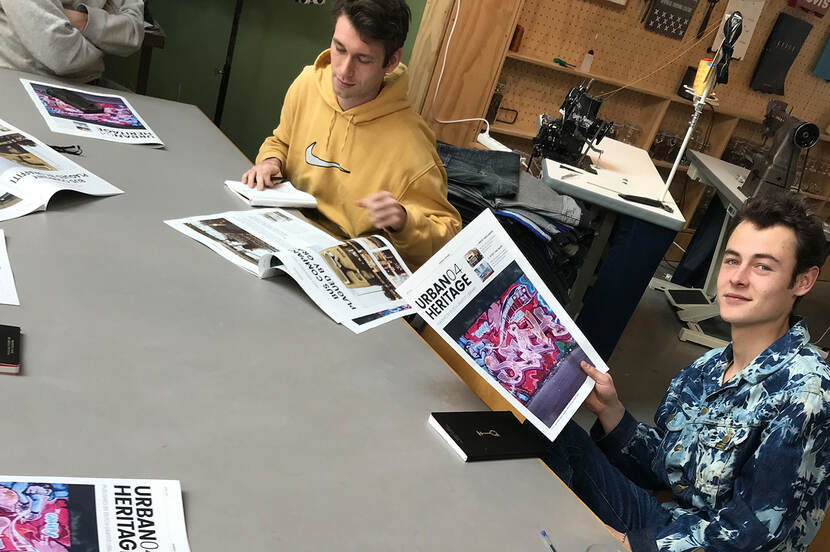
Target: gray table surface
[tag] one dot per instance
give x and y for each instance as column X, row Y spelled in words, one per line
column 146, row 355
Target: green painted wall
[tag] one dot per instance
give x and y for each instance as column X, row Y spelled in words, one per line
column 276, row 38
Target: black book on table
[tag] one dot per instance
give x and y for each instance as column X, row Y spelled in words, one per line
column 9, row 349
column 486, row 435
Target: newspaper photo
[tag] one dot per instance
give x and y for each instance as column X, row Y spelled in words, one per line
column 94, row 115
column 68, row 514
column 31, row 173
column 483, row 297
column 352, row 281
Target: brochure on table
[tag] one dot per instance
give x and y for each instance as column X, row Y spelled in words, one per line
column 31, row 173
column 483, row 297
column 63, row 514
column 353, row 281
column 117, row 121
column 8, row 291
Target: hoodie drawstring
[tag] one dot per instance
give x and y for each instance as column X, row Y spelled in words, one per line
column 331, row 128
column 348, row 130
column 349, row 124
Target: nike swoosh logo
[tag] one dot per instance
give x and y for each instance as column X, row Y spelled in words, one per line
column 315, row 161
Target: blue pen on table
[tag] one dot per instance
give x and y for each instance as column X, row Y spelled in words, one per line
column 546, row 541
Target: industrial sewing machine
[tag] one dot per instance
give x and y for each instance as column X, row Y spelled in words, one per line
column 569, row 138
column 778, row 166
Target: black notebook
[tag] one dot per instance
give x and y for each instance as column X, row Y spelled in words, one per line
column 486, row 435
column 9, row 349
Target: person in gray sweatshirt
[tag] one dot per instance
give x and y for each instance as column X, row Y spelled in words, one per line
column 68, row 38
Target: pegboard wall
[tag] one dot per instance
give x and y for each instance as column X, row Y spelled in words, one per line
column 624, row 50
column 532, row 90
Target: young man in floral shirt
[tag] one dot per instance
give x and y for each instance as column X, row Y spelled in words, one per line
column 742, row 437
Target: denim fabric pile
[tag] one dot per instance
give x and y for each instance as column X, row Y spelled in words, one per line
column 552, row 230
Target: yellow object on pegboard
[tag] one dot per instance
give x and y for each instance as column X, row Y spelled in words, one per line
column 625, row 51
column 703, row 68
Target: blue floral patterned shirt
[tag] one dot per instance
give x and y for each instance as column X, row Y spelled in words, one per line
column 747, row 461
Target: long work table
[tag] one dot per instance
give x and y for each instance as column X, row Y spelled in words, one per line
column 145, row 355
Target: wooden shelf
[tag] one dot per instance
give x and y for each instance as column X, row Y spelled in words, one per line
column 617, row 82
column 513, row 130
column 814, row 196
column 668, row 165
column 580, row 74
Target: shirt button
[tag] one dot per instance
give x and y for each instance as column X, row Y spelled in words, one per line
column 704, row 410
column 678, row 447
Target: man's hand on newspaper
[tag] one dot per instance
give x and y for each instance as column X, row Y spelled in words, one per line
column 260, row 175
column 603, row 400
column 384, row 211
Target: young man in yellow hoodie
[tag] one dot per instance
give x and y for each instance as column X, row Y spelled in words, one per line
column 348, row 136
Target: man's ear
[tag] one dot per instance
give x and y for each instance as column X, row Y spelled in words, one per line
column 394, row 60
column 805, row 281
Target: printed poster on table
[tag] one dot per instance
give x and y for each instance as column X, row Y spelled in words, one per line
column 91, row 114
column 483, row 297
column 68, row 514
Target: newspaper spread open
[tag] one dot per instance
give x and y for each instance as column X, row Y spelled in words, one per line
column 113, row 118
column 483, row 297
column 353, row 281
column 31, row 173
column 64, row 514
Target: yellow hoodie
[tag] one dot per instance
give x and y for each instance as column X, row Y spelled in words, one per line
column 342, row 156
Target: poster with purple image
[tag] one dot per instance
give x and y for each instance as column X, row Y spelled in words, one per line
column 78, row 112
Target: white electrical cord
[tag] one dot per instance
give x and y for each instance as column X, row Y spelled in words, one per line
column 441, row 74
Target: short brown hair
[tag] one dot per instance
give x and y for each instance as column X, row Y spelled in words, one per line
column 786, row 209
column 383, row 20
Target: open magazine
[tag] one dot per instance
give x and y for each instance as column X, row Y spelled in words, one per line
column 482, row 296
column 93, row 115
column 353, row 281
column 31, row 173
column 68, row 514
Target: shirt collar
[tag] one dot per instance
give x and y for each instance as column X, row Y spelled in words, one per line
column 769, row 361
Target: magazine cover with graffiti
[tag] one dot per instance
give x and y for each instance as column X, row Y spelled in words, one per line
column 483, row 297
column 511, row 332
column 54, row 514
column 31, row 173
column 352, row 281
column 94, row 115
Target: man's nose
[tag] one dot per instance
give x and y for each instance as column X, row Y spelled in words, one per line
column 348, row 66
column 740, row 275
